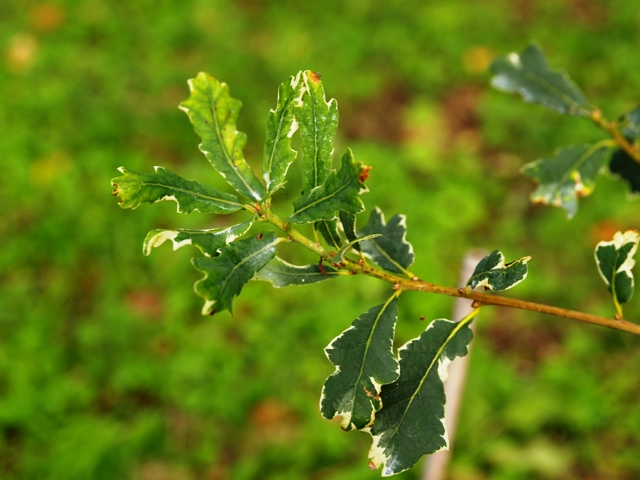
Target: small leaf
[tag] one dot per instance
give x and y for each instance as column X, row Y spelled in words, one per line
column 343, row 251
column 527, row 73
column 493, row 274
column 348, row 221
column 364, row 361
column 213, row 114
column 283, row 274
column 281, row 125
column 411, row 421
column 207, row 241
column 329, row 231
column 135, row 188
column 626, row 168
column 340, row 191
column 615, row 261
column 318, row 122
column 227, row 273
column 568, row 175
column 391, row 251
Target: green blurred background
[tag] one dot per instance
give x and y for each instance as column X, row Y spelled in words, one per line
column 107, row 369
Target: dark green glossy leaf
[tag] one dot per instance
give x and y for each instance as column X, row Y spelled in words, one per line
column 391, row 251
column 329, row 231
column 626, row 168
column 207, row 241
column 493, row 274
column 527, row 73
column 283, row 274
column 348, row 221
column 318, row 120
column 133, row 189
column 364, row 360
column 340, row 191
column 227, row 273
column 615, row 261
column 411, row 421
column 281, row 125
column 213, row 114
column 568, row 175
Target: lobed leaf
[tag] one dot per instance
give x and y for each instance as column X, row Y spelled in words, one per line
column 281, row 125
column 283, row 274
column 213, row 113
column 318, row 120
column 135, row 188
column 568, row 175
column 207, row 241
column 364, row 361
column 615, row 261
column 340, row 191
column 527, row 73
column 493, row 274
column 227, row 273
column 411, row 421
column 329, row 231
column 391, row 251
column 348, row 222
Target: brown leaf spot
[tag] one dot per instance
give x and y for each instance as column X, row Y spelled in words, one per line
column 314, row 77
column 364, row 174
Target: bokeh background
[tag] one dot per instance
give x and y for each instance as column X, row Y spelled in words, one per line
column 108, row 370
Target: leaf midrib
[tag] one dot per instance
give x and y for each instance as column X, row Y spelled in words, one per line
column 189, row 192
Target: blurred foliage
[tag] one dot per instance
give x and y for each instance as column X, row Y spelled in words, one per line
column 107, row 369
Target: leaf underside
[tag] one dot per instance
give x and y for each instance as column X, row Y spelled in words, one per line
column 568, row 175
column 411, row 421
column 391, row 251
column 283, row 274
column 213, row 113
column 615, row 262
column 134, row 188
column 227, row 273
column 340, row 191
column 493, row 274
column 348, row 222
column 329, row 231
column 207, row 241
column 527, row 73
column 364, row 360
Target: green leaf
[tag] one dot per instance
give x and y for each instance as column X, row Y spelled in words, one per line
column 281, row 125
column 343, row 251
column 630, row 124
column 568, row 175
column 364, row 360
column 348, row 221
column 626, row 168
column 329, row 231
column 135, row 188
column 227, row 273
column 318, row 120
column 493, row 274
column 391, row 251
column 207, row 241
column 340, row 191
column 527, row 73
column 213, row 114
column 411, row 421
column 615, row 261
column 283, row 274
